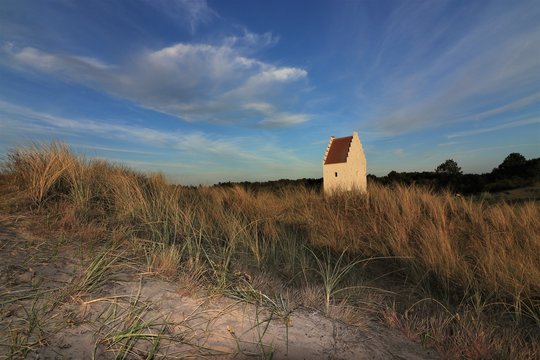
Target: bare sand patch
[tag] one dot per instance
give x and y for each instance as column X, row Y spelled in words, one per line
column 44, row 313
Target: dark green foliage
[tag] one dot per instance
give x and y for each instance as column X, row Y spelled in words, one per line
column 282, row 184
column 449, row 167
column 515, row 165
column 514, row 172
column 512, row 161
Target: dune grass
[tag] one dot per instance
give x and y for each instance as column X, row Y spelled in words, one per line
column 463, row 275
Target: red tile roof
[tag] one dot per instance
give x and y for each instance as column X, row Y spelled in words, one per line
column 339, row 149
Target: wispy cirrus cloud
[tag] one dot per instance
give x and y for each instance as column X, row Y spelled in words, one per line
column 282, row 120
column 399, row 152
column 507, row 107
column 491, row 148
column 450, row 143
column 194, row 143
column 196, row 82
column 250, row 41
column 191, row 12
column 69, row 67
column 507, row 125
column 455, row 71
column 115, row 150
column 272, row 118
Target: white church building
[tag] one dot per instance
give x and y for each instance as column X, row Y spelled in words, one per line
column 344, row 165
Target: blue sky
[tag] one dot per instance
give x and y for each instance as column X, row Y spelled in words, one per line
column 251, row 90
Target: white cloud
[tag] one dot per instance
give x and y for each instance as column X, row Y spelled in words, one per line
column 249, row 40
column 513, row 105
column 251, row 150
column 283, row 120
column 451, row 74
column 272, row 118
column 279, row 74
column 81, row 69
column 202, row 143
column 508, row 125
column 115, row 150
column 260, row 107
column 450, row 143
column 190, row 12
column 491, row 148
column 93, row 62
column 196, row 82
column 399, row 152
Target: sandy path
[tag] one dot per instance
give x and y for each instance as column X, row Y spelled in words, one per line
column 134, row 314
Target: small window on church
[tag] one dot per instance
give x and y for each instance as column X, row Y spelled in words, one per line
column 336, row 174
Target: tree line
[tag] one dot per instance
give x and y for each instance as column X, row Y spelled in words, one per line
column 514, row 172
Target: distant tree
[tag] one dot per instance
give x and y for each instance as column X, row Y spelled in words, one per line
column 448, row 167
column 513, row 161
column 393, row 174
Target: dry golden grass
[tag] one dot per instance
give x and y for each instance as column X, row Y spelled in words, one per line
column 474, row 266
column 493, row 248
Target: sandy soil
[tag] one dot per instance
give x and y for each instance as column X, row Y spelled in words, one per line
column 45, row 313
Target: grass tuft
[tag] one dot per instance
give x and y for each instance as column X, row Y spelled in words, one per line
column 476, row 262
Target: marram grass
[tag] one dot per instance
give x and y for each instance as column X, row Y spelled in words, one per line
column 463, row 258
